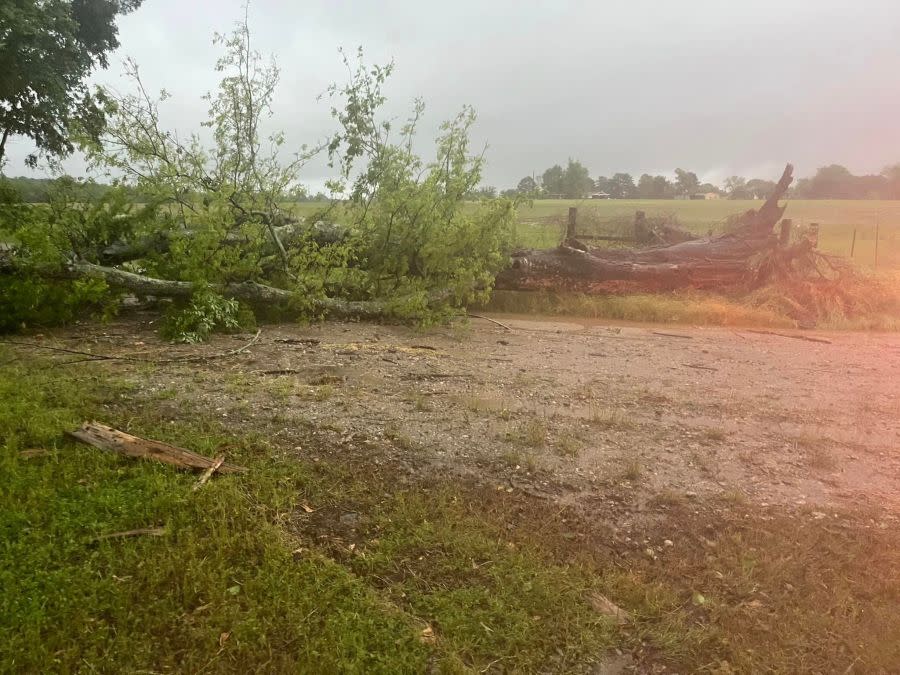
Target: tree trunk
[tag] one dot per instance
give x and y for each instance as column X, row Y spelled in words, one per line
column 250, row 292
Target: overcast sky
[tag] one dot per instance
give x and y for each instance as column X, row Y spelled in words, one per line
column 714, row 86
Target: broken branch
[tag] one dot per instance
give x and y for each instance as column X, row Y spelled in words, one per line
column 107, row 438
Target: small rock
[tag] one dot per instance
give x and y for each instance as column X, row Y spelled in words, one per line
column 668, row 542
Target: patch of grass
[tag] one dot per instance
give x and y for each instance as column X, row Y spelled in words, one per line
column 222, row 574
column 516, row 459
column 668, row 498
column 607, row 418
column 816, row 452
column 533, row 433
column 484, row 405
column 685, row 308
column 420, row 402
column 820, row 458
column 633, row 471
column 713, row 435
column 401, row 440
column 568, row 445
column 238, row 382
column 734, row 498
column 489, row 600
column 281, row 387
column 318, row 393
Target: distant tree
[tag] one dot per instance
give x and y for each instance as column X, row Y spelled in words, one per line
column 47, row 50
column 757, row 188
column 483, row 192
column 891, row 175
column 552, row 180
column 527, row 185
column 686, row 182
column 663, row 188
column 577, row 180
column 706, row 188
column 830, row 182
column 621, row 186
column 736, row 187
column 603, row 184
column 645, row 186
column 654, row 187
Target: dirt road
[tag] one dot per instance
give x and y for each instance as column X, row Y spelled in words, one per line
column 615, row 418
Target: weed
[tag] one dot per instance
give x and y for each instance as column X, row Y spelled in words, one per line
column 421, row 403
column 568, row 445
column 668, row 498
column 319, row 394
column 400, row 440
column 820, row 458
column 516, row 459
column 633, row 471
column 605, row 418
column 534, row 433
column 734, row 497
column 713, row 435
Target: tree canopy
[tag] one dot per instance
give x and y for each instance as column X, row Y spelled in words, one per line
column 47, row 50
column 573, row 182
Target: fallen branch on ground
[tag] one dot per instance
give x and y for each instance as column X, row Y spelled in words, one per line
column 807, row 338
column 217, row 464
column 91, row 356
column 107, row 438
column 148, row 531
column 487, row 318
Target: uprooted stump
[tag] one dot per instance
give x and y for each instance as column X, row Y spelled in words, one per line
column 107, row 438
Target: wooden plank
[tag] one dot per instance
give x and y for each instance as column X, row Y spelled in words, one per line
column 107, row 438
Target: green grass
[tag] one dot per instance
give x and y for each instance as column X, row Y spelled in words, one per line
column 685, row 308
column 437, row 576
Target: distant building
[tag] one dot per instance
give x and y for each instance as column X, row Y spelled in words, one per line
column 705, row 195
column 600, row 195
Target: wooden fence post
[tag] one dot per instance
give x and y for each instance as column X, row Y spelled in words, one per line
column 640, row 227
column 877, row 224
column 573, row 217
column 784, row 237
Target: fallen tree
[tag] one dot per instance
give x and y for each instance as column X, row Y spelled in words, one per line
column 748, row 254
column 213, row 234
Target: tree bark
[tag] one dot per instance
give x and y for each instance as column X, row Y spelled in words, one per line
column 250, row 292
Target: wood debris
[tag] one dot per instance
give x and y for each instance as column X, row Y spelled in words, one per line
column 107, row 438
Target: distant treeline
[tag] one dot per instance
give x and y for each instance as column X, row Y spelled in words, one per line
column 574, row 182
column 39, row 190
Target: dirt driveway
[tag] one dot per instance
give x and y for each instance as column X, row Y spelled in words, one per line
column 613, row 418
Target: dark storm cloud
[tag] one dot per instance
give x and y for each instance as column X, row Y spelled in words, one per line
column 716, row 86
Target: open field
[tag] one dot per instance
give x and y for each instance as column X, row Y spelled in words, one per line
column 558, row 497
column 542, row 224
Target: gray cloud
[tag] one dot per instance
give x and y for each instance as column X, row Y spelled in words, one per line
column 716, row 86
